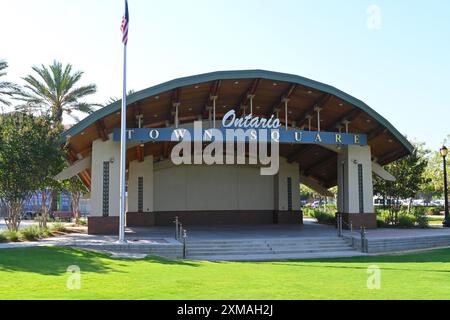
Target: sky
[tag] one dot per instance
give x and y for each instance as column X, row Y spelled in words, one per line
column 392, row 54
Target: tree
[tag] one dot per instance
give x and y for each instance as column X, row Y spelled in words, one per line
column 26, row 145
column 112, row 100
column 7, row 89
column 434, row 174
column 52, row 90
column 409, row 172
column 77, row 189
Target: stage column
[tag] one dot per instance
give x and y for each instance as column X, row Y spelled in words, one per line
column 287, row 194
column 104, row 216
column 140, row 194
column 355, row 187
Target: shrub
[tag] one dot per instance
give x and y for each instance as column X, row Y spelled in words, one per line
column 383, row 214
column 381, row 223
column 12, row 236
column 324, row 217
column 58, row 227
column 422, row 222
column 33, row 233
column 3, row 238
column 435, row 211
column 307, row 212
column 406, row 221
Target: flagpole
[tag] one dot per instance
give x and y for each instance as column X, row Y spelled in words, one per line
column 123, row 149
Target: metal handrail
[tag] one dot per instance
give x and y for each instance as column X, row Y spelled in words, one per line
column 185, row 244
column 364, row 242
column 341, row 223
column 181, row 235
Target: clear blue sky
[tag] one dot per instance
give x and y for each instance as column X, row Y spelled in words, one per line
column 401, row 69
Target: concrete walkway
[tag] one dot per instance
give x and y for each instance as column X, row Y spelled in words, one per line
column 161, row 239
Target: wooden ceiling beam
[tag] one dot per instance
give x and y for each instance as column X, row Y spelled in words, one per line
column 390, row 156
column 175, row 102
column 310, row 112
column 101, row 129
column 320, row 165
column 213, row 92
column 278, row 105
column 140, row 150
column 376, row 133
column 303, row 149
column 245, row 100
column 350, row 116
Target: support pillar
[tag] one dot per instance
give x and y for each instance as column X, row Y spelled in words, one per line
column 355, row 187
column 287, row 194
column 105, row 190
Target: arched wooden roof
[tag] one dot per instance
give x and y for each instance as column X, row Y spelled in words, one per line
column 232, row 88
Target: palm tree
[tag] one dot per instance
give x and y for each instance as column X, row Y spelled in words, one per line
column 52, row 90
column 6, row 88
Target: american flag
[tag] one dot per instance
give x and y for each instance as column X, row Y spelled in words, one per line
column 124, row 26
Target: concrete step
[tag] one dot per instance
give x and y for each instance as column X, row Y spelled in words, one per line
column 261, row 249
column 271, row 257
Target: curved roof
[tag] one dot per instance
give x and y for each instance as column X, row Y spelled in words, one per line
column 232, row 88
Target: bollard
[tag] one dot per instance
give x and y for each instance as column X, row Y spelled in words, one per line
column 180, row 231
column 177, row 232
column 339, row 222
column 184, row 244
column 363, row 240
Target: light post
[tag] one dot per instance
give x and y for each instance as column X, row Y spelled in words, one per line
column 444, row 153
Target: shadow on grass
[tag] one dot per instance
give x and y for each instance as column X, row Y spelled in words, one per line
column 56, row 260
column 167, row 261
column 51, row 260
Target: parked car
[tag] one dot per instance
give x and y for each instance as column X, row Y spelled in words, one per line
column 438, row 203
column 28, row 215
column 63, row 215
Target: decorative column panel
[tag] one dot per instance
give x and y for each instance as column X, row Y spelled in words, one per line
column 140, row 201
column 105, row 191
column 287, row 193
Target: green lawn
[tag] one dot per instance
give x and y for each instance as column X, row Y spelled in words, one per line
column 40, row 273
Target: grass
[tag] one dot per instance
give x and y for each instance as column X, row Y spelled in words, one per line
column 41, row 273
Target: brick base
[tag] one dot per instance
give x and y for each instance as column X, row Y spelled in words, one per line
column 288, row 217
column 357, row 220
column 103, row 225
column 214, row 218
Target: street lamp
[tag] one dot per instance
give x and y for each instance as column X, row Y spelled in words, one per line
column 444, row 153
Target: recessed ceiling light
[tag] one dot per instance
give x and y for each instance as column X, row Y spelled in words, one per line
column 290, row 112
column 236, row 82
column 390, row 141
column 157, row 98
column 309, row 92
column 196, row 87
column 341, row 104
column 368, row 120
column 83, row 133
column 142, row 145
column 190, row 109
column 156, row 116
column 275, row 84
column 258, row 107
